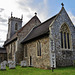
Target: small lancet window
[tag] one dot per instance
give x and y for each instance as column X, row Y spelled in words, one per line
column 38, row 48
column 25, row 49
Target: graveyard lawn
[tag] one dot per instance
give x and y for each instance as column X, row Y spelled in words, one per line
column 36, row 71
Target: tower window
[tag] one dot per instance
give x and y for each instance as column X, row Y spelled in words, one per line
column 16, row 26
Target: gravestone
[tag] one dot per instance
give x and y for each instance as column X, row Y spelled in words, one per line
column 5, row 62
column 12, row 65
column 9, row 61
column 3, row 66
column 23, row 63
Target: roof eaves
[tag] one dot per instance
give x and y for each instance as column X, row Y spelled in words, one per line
column 9, row 41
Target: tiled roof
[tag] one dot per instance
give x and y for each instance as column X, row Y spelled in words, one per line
column 39, row 30
column 28, row 23
column 14, row 37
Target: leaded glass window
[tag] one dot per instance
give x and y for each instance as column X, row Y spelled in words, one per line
column 65, row 37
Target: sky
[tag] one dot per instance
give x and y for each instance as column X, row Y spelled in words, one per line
column 44, row 8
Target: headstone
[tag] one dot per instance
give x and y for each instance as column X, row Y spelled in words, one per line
column 3, row 66
column 23, row 63
column 12, row 65
column 9, row 61
column 5, row 62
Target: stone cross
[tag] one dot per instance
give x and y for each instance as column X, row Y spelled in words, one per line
column 62, row 4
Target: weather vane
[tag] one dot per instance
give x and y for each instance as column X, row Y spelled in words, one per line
column 62, row 4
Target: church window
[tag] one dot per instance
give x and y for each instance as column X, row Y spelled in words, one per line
column 16, row 26
column 9, row 48
column 68, row 40
column 65, row 37
column 25, row 49
column 14, row 46
column 38, row 48
column 61, row 40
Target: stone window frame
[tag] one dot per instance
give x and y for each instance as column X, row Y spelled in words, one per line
column 64, row 29
column 39, row 48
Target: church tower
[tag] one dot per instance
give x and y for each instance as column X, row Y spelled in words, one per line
column 14, row 24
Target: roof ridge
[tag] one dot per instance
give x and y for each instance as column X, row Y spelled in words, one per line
column 45, row 21
column 27, row 23
column 50, row 20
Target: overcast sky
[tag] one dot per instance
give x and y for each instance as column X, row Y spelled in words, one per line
column 44, row 8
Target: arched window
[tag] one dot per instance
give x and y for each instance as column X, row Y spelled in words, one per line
column 38, row 48
column 16, row 26
column 65, row 37
column 25, row 50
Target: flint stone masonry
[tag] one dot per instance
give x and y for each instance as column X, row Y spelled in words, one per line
column 26, row 30
column 42, row 61
column 17, row 51
column 3, row 54
column 11, row 51
column 63, row 57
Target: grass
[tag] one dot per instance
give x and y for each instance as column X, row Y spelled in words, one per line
column 36, row 71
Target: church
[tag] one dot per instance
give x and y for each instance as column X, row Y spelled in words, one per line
column 42, row 45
